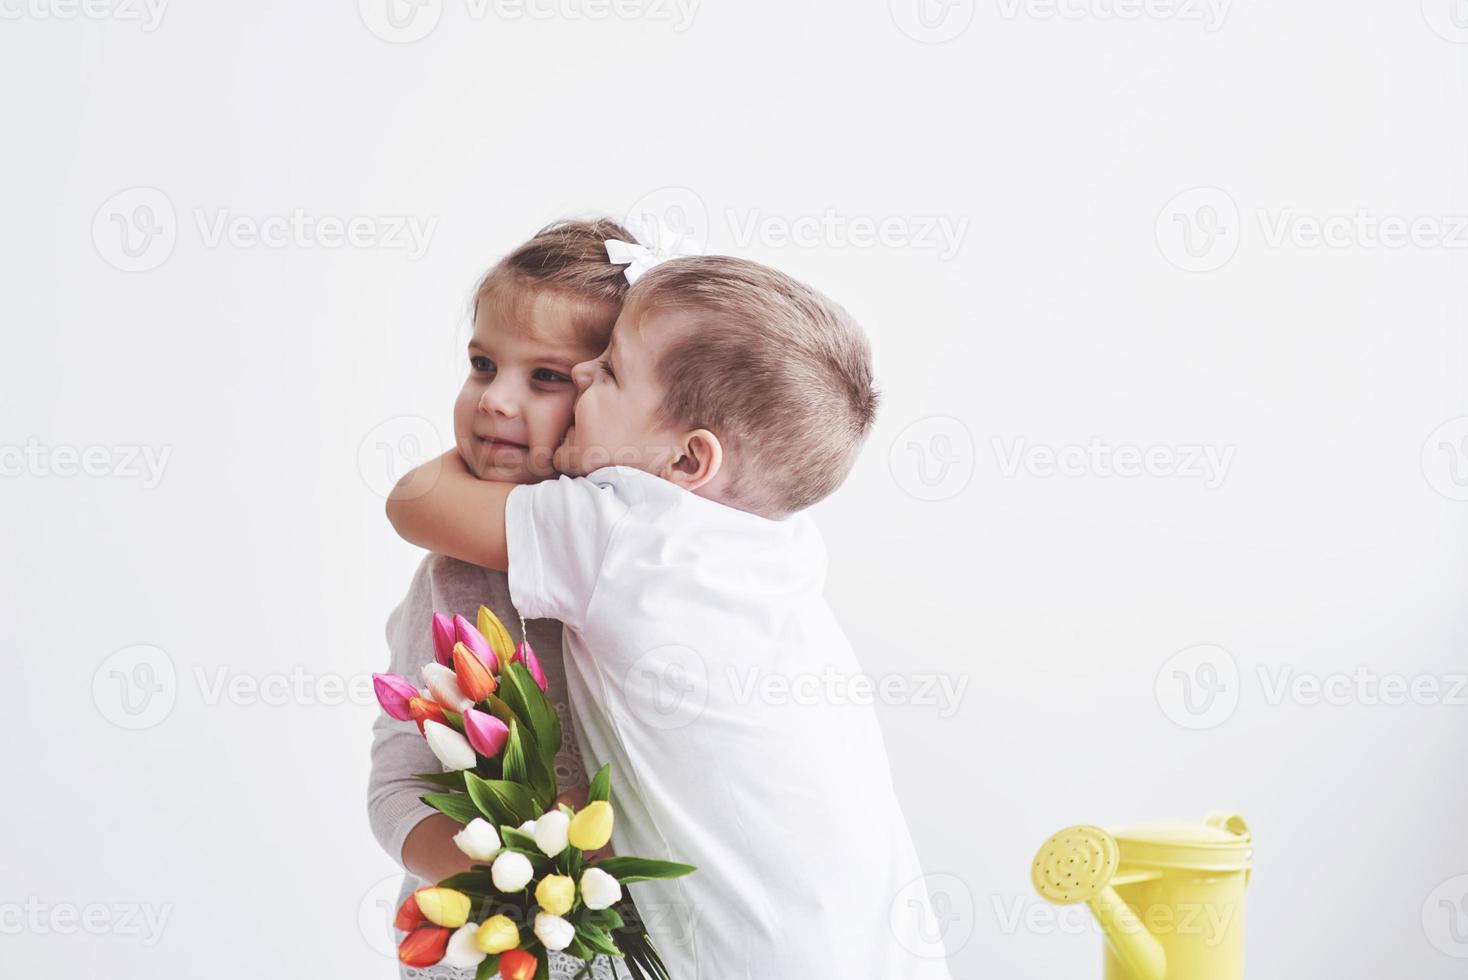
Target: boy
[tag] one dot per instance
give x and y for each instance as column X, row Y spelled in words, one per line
column 729, row 399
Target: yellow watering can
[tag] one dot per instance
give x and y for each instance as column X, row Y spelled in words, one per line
column 1169, row 896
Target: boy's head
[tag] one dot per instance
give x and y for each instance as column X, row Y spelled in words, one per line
column 542, row 309
column 730, row 379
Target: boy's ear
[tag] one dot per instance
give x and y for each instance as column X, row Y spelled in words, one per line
column 696, row 460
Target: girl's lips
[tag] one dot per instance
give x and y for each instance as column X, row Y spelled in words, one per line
column 494, row 443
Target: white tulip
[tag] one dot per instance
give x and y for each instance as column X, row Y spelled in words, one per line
column 479, row 840
column 599, row 890
column 554, row 931
column 528, row 827
column 550, row 832
column 452, row 749
column 461, row 952
column 511, row 871
column 443, row 687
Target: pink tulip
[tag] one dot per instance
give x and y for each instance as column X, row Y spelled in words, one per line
column 443, row 639
column 394, row 693
column 485, row 732
column 466, row 634
column 525, row 654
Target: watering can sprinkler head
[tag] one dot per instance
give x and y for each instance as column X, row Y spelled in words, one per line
column 1077, row 865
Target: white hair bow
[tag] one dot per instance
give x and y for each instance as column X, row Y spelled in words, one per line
column 654, row 243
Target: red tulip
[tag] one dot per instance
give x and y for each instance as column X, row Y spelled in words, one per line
column 516, row 964
column 473, row 676
column 424, row 946
column 409, row 917
column 421, row 709
column 443, row 639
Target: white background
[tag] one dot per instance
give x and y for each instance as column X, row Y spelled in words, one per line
column 287, row 382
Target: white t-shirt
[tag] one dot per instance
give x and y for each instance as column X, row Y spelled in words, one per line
column 703, row 662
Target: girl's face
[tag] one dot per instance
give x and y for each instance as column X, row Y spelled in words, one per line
column 517, row 401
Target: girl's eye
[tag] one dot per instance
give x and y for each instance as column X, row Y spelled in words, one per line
column 546, row 374
column 481, row 363
column 606, row 366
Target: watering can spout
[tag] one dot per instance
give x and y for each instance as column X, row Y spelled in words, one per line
column 1077, row 865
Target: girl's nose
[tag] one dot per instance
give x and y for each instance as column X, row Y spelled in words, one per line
column 498, row 400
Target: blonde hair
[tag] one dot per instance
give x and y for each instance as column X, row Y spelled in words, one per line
column 569, row 259
column 780, row 373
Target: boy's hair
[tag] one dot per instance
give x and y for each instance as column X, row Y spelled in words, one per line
column 567, row 258
column 780, row 373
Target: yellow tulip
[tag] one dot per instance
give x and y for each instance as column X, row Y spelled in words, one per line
column 592, row 827
column 499, row 638
column 498, row 934
column 443, row 906
column 556, row 894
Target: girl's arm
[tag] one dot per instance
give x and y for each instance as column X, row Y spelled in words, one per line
column 443, row 507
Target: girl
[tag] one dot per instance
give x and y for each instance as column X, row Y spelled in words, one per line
column 545, row 307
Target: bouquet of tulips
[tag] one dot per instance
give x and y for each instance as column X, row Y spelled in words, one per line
column 538, row 886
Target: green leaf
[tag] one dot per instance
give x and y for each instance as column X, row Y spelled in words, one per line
column 578, row 949
column 630, row 869
column 601, row 785
column 470, row 882
column 488, row 967
column 505, row 802
column 518, row 840
column 607, row 919
column 453, row 780
column 455, row 720
column 597, row 938
column 519, row 691
column 516, row 769
column 456, row 806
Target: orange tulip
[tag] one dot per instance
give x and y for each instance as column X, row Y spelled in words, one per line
column 424, row 946
column 516, row 964
column 473, row 676
column 422, row 709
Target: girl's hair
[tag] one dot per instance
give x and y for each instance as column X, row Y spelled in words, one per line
column 568, row 259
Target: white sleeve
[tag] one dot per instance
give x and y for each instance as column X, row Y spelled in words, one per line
column 557, row 534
